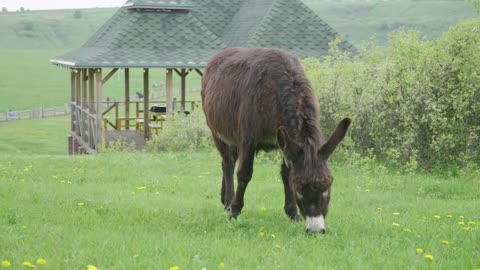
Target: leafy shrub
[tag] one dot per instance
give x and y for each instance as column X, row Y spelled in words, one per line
column 182, row 132
column 415, row 104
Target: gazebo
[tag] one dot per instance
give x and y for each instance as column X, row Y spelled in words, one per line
column 179, row 36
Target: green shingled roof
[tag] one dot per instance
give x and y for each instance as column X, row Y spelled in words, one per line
column 185, row 34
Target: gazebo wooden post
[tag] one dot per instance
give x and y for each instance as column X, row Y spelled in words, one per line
column 78, row 114
column 91, row 109
column 84, row 122
column 73, row 76
column 169, row 86
column 127, row 97
column 72, row 143
column 183, row 86
column 99, row 118
column 146, row 129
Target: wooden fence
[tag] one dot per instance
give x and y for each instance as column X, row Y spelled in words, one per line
column 35, row 113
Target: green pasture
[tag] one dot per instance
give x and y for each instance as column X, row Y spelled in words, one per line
column 134, row 210
column 40, row 136
column 162, row 211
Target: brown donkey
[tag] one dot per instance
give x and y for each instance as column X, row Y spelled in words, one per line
column 260, row 99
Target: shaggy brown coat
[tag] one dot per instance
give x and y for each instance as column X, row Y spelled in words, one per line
column 260, row 99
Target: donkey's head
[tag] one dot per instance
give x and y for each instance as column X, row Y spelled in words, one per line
column 310, row 178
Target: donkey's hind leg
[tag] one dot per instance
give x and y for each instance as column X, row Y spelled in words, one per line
column 229, row 157
column 244, row 174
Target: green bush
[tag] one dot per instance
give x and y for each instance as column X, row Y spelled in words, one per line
column 415, row 104
column 182, row 133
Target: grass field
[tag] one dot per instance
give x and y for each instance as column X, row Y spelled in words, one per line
column 359, row 21
column 147, row 211
column 162, row 210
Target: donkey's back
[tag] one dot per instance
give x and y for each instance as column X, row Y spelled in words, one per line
column 243, row 91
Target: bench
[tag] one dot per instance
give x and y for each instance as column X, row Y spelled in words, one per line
column 122, row 121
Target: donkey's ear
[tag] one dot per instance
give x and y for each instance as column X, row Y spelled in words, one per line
column 337, row 136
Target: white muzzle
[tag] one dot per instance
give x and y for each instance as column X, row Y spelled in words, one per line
column 315, row 224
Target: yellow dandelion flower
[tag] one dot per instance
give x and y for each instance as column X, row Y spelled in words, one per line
column 29, row 264
column 81, row 204
column 261, row 234
column 91, row 267
column 264, row 209
column 394, row 224
column 141, row 188
column 396, row 214
column 26, row 169
column 407, row 230
column 466, row 228
column 419, row 250
column 221, row 265
column 437, row 217
column 24, row 227
column 461, row 217
column 175, row 267
column 41, row 261
column 449, row 216
column 429, row 257
column 379, row 209
column 6, row 264
column 272, row 235
column 278, row 246
column 471, row 223
column 461, row 223
column 157, row 193
column 445, row 242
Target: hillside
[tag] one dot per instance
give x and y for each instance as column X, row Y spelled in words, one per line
column 359, row 21
column 356, row 21
column 51, row 29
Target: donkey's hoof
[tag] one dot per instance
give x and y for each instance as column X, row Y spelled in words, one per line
column 234, row 215
column 295, row 218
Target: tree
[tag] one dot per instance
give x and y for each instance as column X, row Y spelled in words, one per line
column 4, row 9
column 77, row 14
column 22, row 9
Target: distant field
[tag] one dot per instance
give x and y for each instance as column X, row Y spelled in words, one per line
column 28, row 80
column 360, row 21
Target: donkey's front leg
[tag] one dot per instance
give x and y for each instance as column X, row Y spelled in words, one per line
column 244, row 174
column 290, row 205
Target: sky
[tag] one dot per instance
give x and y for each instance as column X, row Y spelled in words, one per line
column 13, row 5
